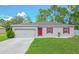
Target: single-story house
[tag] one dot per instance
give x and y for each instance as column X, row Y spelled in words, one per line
column 43, row 29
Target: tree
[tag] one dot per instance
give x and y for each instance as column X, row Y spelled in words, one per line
column 62, row 13
column 9, row 31
column 53, row 9
column 59, row 14
column 2, row 22
column 28, row 20
column 75, row 17
column 71, row 10
column 43, row 15
column 46, row 14
column 17, row 20
column 59, row 19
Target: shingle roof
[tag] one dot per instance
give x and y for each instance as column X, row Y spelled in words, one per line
column 40, row 24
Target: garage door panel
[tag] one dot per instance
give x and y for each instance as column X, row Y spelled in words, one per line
column 25, row 33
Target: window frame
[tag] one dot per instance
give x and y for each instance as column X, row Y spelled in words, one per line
column 66, row 29
column 50, row 30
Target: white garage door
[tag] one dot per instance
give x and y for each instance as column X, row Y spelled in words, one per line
column 26, row 33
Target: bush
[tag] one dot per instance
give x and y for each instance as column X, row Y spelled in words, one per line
column 10, row 34
column 76, row 27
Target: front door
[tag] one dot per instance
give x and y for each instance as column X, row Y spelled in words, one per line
column 39, row 31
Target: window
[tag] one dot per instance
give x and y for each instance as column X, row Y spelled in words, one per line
column 65, row 29
column 50, row 29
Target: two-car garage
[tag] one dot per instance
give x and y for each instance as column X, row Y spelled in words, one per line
column 24, row 32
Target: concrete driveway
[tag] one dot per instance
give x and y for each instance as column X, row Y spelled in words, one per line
column 15, row 45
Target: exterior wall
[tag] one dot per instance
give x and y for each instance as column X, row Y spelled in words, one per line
column 71, row 34
column 76, row 32
column 26, row 31
column 55, row 33
column 72, row 31
column 56, row 29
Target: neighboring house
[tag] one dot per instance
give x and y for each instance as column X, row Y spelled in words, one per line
column 2, row 30
column 43, row 29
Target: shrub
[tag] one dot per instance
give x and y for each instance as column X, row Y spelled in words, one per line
column 9, row 31
column 10, row 34
column 76, row 27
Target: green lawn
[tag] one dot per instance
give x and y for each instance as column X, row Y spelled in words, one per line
column 54, row 46
column 3, row 37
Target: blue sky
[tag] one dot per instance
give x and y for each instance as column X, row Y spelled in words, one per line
column 30, row 10
column 13, row 10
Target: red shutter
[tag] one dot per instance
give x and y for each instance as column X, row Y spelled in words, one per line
column 63, row 29
column 47, row 30
column 68, row 29
column 40, row 31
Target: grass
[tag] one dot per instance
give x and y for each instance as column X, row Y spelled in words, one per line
column 3, row 37
column 54, row 46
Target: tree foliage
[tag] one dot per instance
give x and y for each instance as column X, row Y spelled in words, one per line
column 43, row 15
column 2, row 22
column 75, row 17
column 58, row 14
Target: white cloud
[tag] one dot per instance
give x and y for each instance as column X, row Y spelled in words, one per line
column 21, row 14
column 8, row 18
